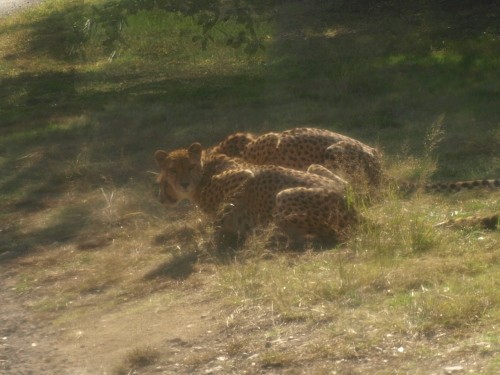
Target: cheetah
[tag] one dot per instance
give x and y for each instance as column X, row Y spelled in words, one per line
column 491, row 221
column 241, row 196
column 233, row 145
column 450, row 187
column 357, row 163
column 187, row 174
column 299, row 148
column 303, row 206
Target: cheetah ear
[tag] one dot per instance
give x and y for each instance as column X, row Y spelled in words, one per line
column 160, row 157
column 194, row 152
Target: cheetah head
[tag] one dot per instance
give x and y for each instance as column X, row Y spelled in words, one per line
column 180, row 173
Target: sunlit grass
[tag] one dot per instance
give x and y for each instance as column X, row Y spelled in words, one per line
column 83, row 232
column 398, row 277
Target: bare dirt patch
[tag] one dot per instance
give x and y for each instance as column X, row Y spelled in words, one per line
column 8, row 7
column 27, row 344
column 97, row 342
column 179, row 330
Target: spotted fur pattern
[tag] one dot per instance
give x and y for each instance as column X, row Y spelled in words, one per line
column 302, row 205
column 300, row 147
column 232, row 146
column 451, row 187
column 483, row 221
column 242, row 196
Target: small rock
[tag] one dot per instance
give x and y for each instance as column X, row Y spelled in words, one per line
column 453, row 369
column 213, row 370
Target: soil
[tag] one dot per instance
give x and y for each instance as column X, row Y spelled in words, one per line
column 8, row 7
column 195, row 334
column 97, row 342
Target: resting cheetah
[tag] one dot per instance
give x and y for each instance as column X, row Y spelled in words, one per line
column 302, row 205
column 300, row 147
column 186, row 174
column 233, row 145
column 242, row 196
column 491, row 221
column 354, row 161
column 452, row 187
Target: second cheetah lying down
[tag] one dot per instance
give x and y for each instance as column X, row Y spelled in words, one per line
column 354, row 161
column 299, row 148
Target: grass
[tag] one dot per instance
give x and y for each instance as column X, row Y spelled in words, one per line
column 137, row 359
column 83, row 235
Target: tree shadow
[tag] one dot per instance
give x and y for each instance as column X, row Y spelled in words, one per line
column 326, row 56
column 386, row 70
column 375, row 70
column 58, row 34
column 17, row 241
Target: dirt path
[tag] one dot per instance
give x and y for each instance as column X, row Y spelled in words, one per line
column 97, row 342
column 8, row 7
column 25, row 343
column 102, row 341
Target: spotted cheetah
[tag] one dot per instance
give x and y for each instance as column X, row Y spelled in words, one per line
column 185, row 174
column 241, row 196
column 451, row 187
column 491, row 221
column 357, row 163
column 303, row 206
column 299, row 148
column 232, row 146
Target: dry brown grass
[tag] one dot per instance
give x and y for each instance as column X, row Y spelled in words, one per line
column 93, row 260
column 137, row 359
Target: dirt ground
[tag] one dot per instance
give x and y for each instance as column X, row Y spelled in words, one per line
column 196, row 334
column 8, row 7
column 32, row 345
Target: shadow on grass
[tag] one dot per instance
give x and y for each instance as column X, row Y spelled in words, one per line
column 180, row 267
column 382, row 72
column 58, row 33
column 367, row 68
column 182, row 234
column 360, row 67
column 17, row 241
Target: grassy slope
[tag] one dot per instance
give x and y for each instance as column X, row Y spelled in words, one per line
column 81, row 230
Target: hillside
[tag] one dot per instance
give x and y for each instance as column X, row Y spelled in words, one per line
column 99, row 278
